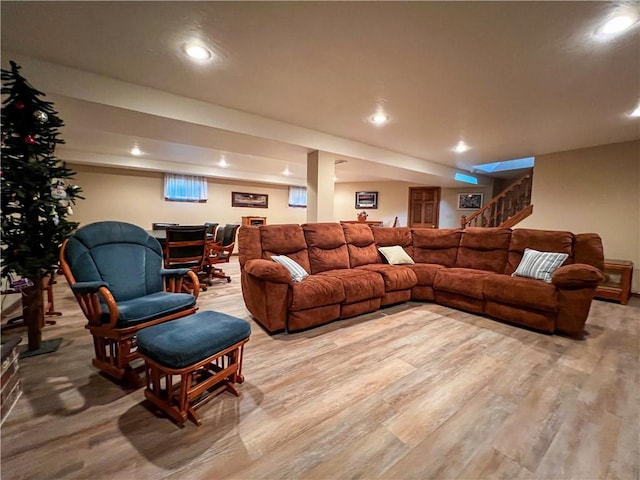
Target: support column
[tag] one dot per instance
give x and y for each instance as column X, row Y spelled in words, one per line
column 321, row 169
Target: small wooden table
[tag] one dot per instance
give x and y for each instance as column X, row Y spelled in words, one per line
column 617, row 282
column 375, row 223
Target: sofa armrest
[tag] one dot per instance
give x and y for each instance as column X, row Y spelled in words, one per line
column 267, row 270
column 577, row 275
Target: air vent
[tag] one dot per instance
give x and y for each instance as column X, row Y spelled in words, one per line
column 340, row 160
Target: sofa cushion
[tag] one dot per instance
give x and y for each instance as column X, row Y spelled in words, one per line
column 185, row 341
column 285, row 240
column 434, row 245
column 282, row 239
column 316, row 291
column 484, row 249
column 539, row 265
column 425, row 272
column 387, row 237
column 327, row 246
column 358, row 284
column 396, row 277
column 362, row 255
column 297, row 272
column 360, row 244
column 463, row 281
column 541, row 240
column 139, row 310
column 396, row 255
column 520, row 291
column 358, row 234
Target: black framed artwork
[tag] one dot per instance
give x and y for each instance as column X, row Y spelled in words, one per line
column 366, row 200
column 255, row 200
column 469, row 201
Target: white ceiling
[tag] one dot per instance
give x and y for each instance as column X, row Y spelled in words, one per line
column 512, row 79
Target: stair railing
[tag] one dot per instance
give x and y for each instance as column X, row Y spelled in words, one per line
column 505, row 209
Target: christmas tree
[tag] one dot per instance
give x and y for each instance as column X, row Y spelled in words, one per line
column 36, row 194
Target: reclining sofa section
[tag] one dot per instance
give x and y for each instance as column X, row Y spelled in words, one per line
column 465, row 269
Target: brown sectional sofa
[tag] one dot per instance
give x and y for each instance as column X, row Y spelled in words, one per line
column 466, row 269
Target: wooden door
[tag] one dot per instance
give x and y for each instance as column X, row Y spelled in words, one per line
column 424, row 206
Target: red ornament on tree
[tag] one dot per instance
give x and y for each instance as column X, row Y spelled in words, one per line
column 19, row 105
column 29, row 139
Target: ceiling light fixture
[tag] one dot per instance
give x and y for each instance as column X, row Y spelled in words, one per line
column 197, row 52
column 617, row 24
column 223, row 163
column 379, row 119
column 619, row 20
column 636, row 112
column 136, row 151
column 461, row 147
column 286, row 172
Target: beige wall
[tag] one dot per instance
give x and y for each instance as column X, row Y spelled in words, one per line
column 137, row 197
column 592, row 190
column 449, row 213
column 393, row 200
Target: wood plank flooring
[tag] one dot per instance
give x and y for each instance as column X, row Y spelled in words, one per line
column 413, row 391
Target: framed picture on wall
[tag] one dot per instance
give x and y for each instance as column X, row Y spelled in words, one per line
column 469, row 201
column 366, row 199
column 255, row 200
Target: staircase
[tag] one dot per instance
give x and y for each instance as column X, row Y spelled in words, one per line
column 506, row 209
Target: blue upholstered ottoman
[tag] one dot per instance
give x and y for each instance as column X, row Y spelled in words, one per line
column 204, row 350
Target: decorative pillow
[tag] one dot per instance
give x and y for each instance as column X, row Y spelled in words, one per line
column 539, row 265
column 297, row 272
column 395, row 255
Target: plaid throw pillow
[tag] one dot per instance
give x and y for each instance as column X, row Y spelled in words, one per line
column 539, row 265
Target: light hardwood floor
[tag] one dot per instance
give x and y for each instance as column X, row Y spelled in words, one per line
column 412, row 391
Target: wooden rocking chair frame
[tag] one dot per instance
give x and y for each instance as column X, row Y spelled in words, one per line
column 115, row 348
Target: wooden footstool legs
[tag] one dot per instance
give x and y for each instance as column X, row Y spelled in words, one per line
column 188, row 361
column 194, row 385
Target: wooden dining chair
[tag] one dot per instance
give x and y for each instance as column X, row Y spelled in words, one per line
column 185, row 247
column 220, row 250
column 211, row 230
column 162, row 225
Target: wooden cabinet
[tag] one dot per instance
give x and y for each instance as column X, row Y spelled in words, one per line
column 617, row 282
column 254, row 221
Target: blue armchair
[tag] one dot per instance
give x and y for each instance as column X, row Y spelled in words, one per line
column 116, row 273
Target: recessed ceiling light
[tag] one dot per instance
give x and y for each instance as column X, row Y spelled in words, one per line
column 197, row 52
column 617, row 24
column 461, row 147
column 223, row 163
column 136, row 151
column 636, row 112
column 286, row 172
column 379, row 119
